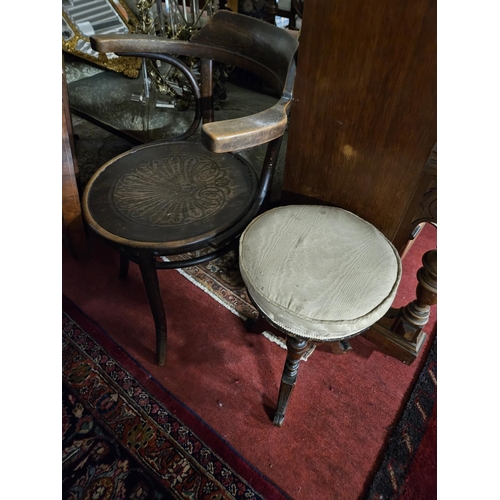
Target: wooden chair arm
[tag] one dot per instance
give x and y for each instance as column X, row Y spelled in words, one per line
column 248, row 131
column 138, row 43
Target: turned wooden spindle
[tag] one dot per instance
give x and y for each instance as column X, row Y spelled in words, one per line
column 296, row 348
column 417, row 313
column 400, row 333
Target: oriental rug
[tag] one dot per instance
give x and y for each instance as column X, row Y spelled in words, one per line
column 392, row 478
column 126, row 437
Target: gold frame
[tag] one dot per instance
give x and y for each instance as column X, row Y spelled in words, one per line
column 129, row 66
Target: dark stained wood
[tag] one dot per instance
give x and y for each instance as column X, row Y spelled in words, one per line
column 296, row 8
column 417, row 313
column 248, row 43
column 207, row 90
column 124, row 265
column 400, row 333
column 167, row 198
column 252, row 39
column 150, row 280
column 363, row 121
column 342, row 347
column 295, row 349
column 422, row 207
column 270, row 11
column 240, row 41
column 73, row 227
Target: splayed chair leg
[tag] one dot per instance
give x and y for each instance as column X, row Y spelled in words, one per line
column 296, row 348
column 150, row 279
column 124, row 262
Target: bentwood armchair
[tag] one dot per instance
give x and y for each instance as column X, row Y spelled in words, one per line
column 172, row 197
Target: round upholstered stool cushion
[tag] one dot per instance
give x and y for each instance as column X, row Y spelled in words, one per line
column 321, row 273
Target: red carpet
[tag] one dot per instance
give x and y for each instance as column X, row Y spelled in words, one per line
column 422, row 476
column 408, row 468
column 342, row 409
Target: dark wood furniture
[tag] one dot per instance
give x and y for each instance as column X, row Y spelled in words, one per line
column 166, row 198
column 72, row 220
column 363, row 120
column 317, row 274
column 400, row 333
column 272, row 8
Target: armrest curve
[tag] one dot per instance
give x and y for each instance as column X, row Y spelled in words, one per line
column 248, row 131
column 139, row 43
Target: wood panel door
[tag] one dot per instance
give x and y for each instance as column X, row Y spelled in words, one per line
column 363, row 121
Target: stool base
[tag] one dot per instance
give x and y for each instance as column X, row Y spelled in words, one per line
column 296, row 348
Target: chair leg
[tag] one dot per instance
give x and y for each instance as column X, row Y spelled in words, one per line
column 124, row 262
column 249, row 324
column 150, row 279
column 296, row 348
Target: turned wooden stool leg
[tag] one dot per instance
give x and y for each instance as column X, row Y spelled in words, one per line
column 150, row 279
column 296, row 348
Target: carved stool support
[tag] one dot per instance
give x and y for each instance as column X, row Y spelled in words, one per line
column 417, row 312
column 400, row 332
column 150, row 279
column 296, row 348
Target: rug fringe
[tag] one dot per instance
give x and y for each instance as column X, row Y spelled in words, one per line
column 209, row 292
column 275, row 339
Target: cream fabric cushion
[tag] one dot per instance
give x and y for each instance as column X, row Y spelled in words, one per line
column 319, row 272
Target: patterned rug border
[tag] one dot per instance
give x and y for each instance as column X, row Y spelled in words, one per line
column 209, row 292
column 259, row 482
column 389, row 480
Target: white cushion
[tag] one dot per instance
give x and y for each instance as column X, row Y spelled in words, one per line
column 319, row 272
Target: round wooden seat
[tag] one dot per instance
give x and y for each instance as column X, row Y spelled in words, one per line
column 169, row 196
column 319, row 274
column 191, row 198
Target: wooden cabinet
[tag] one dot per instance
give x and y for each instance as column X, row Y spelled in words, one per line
column 363, row 121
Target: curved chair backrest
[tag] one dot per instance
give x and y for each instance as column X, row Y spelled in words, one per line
column 244, row 42
column 236, row 40
column 266, row 49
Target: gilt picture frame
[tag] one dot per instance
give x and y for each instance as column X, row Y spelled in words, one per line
column 81, row 20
